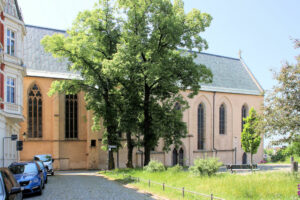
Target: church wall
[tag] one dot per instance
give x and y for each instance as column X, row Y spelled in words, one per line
column 231, row 138
column 68, row 153
column 79, row 154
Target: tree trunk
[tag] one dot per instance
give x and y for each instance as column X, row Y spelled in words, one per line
column 111, row 161
column 147, row 124
column 111, row 130
column 251, row 161
column 130, row 147
column 147, row 155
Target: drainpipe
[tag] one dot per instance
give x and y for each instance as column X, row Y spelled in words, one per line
column 214, row 100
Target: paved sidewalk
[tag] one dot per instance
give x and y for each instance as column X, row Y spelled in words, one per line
column 85, row 185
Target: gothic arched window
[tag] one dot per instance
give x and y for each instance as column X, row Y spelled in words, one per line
column 201, row 126
column 35, row 110
column 71, row 110
column 222, row 119
column 244, row 115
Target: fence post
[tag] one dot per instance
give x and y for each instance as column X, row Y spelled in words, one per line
column 149, row 183
column 183, row 192
column 211, row 196
column 163, row 186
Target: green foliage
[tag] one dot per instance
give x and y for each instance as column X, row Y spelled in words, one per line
column 89, row 46
column 293, row 148
column 176, row 168
column 282, row 105
column 280, row 155
column 152, row 57
column 133, row 67
column 208, row 166
column 251, row 136
column 154, row 166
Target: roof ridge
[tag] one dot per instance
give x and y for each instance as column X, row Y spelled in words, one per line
column 211, row 54
column 45, row 28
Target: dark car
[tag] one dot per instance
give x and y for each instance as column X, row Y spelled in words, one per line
column 9, row 187
column 29, row 176
column 42, row 167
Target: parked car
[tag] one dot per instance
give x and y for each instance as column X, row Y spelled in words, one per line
column 9, row 187
column 29, row 176
column 42, row 167
column 47, row 160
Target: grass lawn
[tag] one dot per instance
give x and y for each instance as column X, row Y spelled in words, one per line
column 256, row 186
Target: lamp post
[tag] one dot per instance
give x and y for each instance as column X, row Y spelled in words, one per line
column 24, row 136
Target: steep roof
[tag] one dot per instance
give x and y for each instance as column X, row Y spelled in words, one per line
column 12, row 8
column 230, row 75
column 37, row 61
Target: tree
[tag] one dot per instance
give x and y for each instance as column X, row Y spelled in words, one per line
column 134, row 67
column 153, row 53
column 282, row 104
column 251, row 136
column 90, row 44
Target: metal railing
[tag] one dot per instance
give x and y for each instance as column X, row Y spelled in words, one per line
column 182, row 190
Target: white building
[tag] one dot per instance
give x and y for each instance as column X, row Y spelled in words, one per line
column 12, row 32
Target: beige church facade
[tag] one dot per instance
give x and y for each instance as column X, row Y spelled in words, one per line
column 60, row 125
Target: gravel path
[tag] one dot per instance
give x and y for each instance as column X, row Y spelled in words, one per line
column 85, row 186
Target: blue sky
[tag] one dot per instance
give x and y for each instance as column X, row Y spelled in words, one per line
column 262, row 30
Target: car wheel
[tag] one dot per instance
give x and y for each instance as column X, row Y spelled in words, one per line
column 43, row 185
column 52, row 173
column 41, row 191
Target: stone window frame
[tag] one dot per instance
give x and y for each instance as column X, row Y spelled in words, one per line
column 11, row 86
column 244, row 114
column 10, row 39
column 222, row 119
column 201, row 127
column 35, row 112
column 71, row 116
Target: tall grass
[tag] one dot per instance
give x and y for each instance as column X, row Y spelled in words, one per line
column 256, row 186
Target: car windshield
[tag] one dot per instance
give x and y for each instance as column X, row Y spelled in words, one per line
column 29, row 168
column 44, row 158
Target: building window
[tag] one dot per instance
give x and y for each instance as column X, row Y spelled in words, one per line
column 222, row 119
column 10, row 42
column 10, row 90
column 244, row 115
column 93, row 143
column 35, row 112
column 177, row 106
column 71, row 116
column 201, row 126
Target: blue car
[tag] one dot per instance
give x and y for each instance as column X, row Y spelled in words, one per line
column 42, row 167
column 29, row 176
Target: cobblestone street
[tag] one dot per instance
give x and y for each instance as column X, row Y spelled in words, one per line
column 85, row 186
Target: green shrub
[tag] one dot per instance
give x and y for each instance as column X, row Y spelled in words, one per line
column 279, row 155
column 154, row 166
column 208, row 166
column 176, row 168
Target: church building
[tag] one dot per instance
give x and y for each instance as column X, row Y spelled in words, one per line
column 60, row 125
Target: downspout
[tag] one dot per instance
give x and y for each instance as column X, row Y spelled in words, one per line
column 214, row 100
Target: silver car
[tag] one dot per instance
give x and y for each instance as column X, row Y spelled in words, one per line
column 47, row 160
